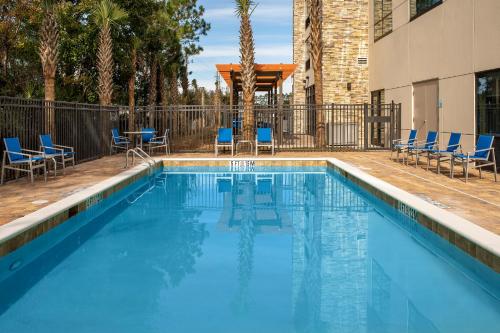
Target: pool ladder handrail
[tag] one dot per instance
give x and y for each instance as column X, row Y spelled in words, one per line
column 142, row 155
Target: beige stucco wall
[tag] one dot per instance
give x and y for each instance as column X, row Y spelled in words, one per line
column 451, row 43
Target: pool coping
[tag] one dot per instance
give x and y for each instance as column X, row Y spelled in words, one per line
column 476, row 241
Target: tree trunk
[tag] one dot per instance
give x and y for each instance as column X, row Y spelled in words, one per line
column 174, row 101
column 315, row 14
column 152, row 96
column 105, row 65
column 50, row 96
column 131, row 91
column 163, row 97
column 248, row 76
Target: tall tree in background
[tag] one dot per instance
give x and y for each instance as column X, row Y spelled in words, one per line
column 106, row 14
column 316, row 49
column 244, row 9
column 49, row 48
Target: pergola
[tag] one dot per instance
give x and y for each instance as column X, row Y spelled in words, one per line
column 270, row 78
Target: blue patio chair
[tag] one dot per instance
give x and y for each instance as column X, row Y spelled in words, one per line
column 399, row 145
column 59, row 154
column 446, row 154
column 480, row 157
column 419, row 147
column 148, row 133
column 264, row 138
column 21, row 160
column 160, row 142
column 224, row 139
column 118, row 141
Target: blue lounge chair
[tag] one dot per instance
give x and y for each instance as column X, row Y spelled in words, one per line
column 14, row 158
column 59, row 154
column 419, row 147
column 480, row 157
column 224, row 139
column 444, row 155
column 400, row 145
column 118, row 142
column 160, row 142
column 264, row 138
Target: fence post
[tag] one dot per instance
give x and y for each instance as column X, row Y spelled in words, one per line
column 365, row 125
column 392, row 125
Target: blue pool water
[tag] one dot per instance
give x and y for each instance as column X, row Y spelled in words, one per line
column 279, row 250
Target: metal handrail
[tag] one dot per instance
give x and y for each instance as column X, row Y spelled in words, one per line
column 139, row 152
column 145, row 155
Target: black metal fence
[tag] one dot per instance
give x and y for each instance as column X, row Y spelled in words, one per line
column 87, row 127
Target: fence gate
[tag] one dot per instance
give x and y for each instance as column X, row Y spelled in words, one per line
column 382, row 125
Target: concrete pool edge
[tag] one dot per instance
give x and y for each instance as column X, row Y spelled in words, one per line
column 472, row 239
column 18, row 232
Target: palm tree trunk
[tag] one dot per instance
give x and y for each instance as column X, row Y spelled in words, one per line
column 315, row 14
column 105, row 65
column 48, row 50
column 174, row 101
column 153, row 91
column 248, row 76
column 163, row 97
column 131, row 90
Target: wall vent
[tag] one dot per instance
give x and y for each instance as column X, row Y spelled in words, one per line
column 362, row 61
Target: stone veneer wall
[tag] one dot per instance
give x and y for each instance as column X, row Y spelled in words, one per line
column 345, row 39
column 299, row 50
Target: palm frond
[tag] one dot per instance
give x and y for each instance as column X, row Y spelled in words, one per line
column 245, row 7
column 107, row 12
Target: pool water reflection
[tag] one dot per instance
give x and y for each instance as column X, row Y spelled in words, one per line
column 268, row 251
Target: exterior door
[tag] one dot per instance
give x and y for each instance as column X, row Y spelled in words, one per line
column 425, row 107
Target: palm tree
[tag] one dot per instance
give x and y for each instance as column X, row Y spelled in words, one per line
column 244, row 9
column 131, row 82
column 48, row 50
column 106, row 13
column 316, row 49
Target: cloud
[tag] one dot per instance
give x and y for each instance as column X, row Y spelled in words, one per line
column 224, row 51
column 261, row 13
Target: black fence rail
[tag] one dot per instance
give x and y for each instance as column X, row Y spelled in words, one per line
column 193, row 128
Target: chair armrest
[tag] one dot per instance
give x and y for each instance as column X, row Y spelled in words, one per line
column 64, row 147
column 33, row 151
column 17, row 153
column 54, row 148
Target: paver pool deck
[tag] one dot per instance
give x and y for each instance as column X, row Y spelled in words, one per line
column 477, row 201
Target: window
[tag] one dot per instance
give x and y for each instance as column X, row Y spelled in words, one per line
column 308, row 64
column 488, row 102
column 488, row 107
column 419, row 7
column 308, row 22
column 382, row 18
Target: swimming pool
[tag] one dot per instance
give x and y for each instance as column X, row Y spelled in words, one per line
column 272, row 250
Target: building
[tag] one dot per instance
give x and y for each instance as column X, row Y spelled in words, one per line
column 439, row 58
column 345, row 52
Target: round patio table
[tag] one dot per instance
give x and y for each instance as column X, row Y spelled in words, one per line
column 139, row 134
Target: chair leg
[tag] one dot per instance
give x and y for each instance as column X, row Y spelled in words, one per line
column 494, row 164
column 452, row 162
column 64, row 165
column 31, row 174
column 467, row 171
column 3, row 175
column 45, row 170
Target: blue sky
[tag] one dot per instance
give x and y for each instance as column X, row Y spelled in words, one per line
column 272, row 25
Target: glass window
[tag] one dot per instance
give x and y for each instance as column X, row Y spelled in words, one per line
column 418, row 7
column 488, row 103
column 382, row 18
